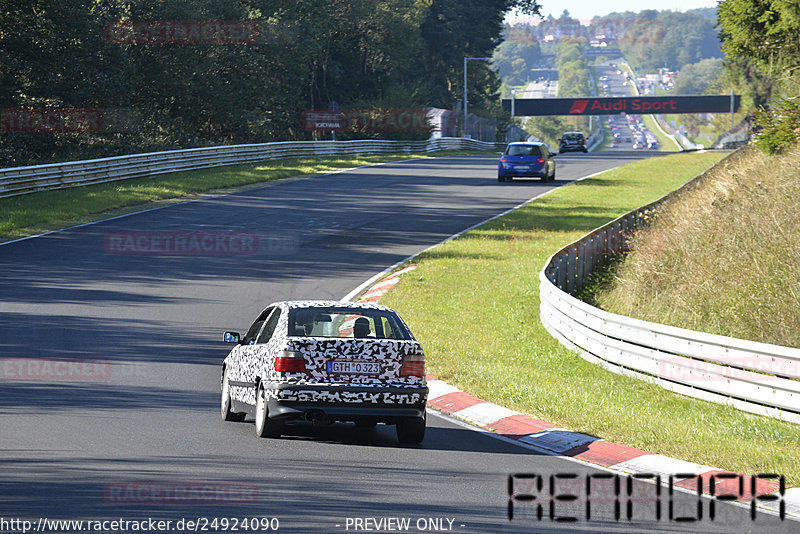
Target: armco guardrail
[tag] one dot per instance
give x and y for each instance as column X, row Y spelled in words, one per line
column 755, row 377
column 22, row 180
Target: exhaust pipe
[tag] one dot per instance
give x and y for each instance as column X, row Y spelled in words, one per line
column 318, row 418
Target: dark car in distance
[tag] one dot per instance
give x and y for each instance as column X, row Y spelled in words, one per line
column 572, row 142
column 526, row 159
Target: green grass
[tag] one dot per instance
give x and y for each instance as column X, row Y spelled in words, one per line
column 48, row 210
column 473, row 303
column 608, row 137
column 665, row 143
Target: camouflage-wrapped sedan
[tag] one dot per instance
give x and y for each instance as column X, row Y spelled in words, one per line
column 326, row 361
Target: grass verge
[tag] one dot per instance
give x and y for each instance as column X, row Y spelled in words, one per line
column 473, row 302
column 665, row 143
column 608, row 137
column 49, row 210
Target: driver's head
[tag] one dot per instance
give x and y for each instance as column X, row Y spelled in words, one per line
column 361, row 327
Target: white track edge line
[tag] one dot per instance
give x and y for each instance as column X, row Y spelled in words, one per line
column 361, row 287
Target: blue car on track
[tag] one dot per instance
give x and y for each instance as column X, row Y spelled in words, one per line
column 526, row 159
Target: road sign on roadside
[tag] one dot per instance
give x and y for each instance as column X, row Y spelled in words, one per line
column 323, row 120
column 614, row 105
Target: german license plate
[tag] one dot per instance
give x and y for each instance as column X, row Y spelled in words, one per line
column 354, row 367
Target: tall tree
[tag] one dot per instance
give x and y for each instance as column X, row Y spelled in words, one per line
column 694, row 78
column 767, row 32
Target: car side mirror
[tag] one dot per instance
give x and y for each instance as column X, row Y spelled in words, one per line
column 231, row 337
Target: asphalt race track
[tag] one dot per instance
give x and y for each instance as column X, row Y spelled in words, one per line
column 122, row 437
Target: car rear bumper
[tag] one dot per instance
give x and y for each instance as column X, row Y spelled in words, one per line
column 515, row 172
column 346, row 402
column 335, row 411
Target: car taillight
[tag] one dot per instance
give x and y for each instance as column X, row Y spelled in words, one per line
column 540, row 160
column 504, row 160
column 413, row 365
column 290, row 361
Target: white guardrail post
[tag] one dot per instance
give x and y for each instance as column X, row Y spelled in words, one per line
column 23, row 180
column 754, row 377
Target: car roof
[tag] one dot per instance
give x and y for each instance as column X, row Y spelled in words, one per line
column 526, row 143
column 298, row 304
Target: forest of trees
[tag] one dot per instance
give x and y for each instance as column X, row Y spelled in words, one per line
column 651, row 39
column 515, row 58
column 761, row 40
column 302, row 54
column 298, row 54
column 696, row 78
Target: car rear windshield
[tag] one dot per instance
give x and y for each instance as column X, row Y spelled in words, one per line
column 573, row 137
column 346, row 323
column 524, row 150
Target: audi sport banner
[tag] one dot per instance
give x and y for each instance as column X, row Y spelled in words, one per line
column 613, row 106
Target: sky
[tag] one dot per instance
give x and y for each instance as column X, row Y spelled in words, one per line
column 586, row 9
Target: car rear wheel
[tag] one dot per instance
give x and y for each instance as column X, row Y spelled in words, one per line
column 411, row 429
column 225, row 407
column 501, row 178
column 265, row 427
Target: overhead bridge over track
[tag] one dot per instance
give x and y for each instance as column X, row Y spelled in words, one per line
column 532, row 107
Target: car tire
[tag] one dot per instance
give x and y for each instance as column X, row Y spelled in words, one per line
column 411, row 429
column 265, row 427
column 225, row 403
column 553, row 176
column 501, row 178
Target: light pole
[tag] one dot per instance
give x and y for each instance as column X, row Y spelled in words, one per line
column 465, row 88
column 513, row 98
